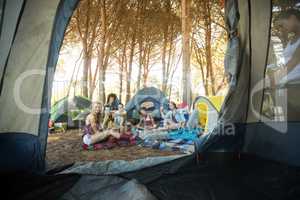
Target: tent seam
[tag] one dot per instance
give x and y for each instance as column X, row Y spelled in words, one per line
column 250, row 56
column 267, row 58
column 2, row 16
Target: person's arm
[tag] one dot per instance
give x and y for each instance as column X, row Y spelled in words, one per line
column 93, row 122
column 152, row 122
column 139, row 125
column 294, row 61
column 162, row 112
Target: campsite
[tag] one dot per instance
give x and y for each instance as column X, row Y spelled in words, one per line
column 150, row 99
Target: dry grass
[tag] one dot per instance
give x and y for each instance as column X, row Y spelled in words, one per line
column 65, row 148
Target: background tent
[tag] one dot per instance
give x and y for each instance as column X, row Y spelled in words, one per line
column 67, row 109
column 208, row 109
column 149, row 98
column 259, row 160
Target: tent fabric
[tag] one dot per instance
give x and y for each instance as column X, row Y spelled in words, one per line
column 114, row 167
column 150, row 94
column 107, row 188
column 20, row 109
column 63, row 15
column 235, row 104
column 20, row 152
column 235, row 179
column 261, row 15
column 20, row 185
column 271, row 141
column 9, row 21
column 233, row 46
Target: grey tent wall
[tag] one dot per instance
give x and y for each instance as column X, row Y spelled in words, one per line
column 11, row 12
column 235, row 107
column 261, row 13
column 63, row 16
column 2, row 6
column 23, row 82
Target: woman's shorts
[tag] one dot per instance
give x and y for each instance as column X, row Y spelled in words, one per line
column 87, row 139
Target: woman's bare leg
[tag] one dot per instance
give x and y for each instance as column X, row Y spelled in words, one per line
column 99, row 136
column 105, row 120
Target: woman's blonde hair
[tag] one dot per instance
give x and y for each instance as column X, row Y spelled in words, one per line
column 96, row 103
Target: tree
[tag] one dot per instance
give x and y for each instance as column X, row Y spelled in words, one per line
column 83, row 28
column 186, row 68
column 209, row 44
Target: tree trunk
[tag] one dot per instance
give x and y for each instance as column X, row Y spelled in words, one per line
column 186, row 70
column 208, row 52
column 101, row 53
column 121, row 84
column 163, row 61
column 138, row 84
column 166, row 35
column 102, row 86
column 86, row 66
column 128, row 75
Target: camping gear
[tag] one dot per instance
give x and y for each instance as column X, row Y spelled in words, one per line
column 259, row 161
column 149, row 98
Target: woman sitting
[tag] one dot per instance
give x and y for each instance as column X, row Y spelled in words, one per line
column 110, row 108
column 146, row 120
column 120, row 118
column 172, row 118
column 93, row 131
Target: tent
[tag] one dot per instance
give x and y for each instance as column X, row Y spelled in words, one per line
column 207, row 109
column 149, row 98
column 66, row 110
column 247, row 156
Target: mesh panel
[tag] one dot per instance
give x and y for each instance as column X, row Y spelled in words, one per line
column 282, row 75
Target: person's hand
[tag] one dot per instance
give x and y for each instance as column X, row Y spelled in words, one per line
column 161, row 109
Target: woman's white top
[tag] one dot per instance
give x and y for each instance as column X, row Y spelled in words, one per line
column 288, row 54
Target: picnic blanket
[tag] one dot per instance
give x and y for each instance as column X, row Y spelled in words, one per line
column 177, row 140
column 126, row 139
column 184, row 134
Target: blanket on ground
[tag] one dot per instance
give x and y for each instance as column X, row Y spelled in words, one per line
column 126, row 139
column 177, row 140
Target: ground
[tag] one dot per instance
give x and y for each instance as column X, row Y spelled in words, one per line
column 65, row 148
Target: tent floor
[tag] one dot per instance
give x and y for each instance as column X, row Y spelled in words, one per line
column 65, row 148
column 181, row 179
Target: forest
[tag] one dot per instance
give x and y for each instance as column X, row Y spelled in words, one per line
column 132, row 38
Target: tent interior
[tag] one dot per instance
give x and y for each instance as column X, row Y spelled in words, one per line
column 252, row 152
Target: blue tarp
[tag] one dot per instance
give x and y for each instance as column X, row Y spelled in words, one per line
column 184, row 134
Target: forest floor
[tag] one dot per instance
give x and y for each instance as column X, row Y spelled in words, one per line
column 65, row 148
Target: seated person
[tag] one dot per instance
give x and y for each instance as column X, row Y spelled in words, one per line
column 183, row 109
column 146, row 120
column 290, row 22
column 120, row 118
column 172, row 118
column 93, row 131
column 109, row 109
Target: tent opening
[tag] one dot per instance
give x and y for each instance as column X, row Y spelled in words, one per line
column 147, row 54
